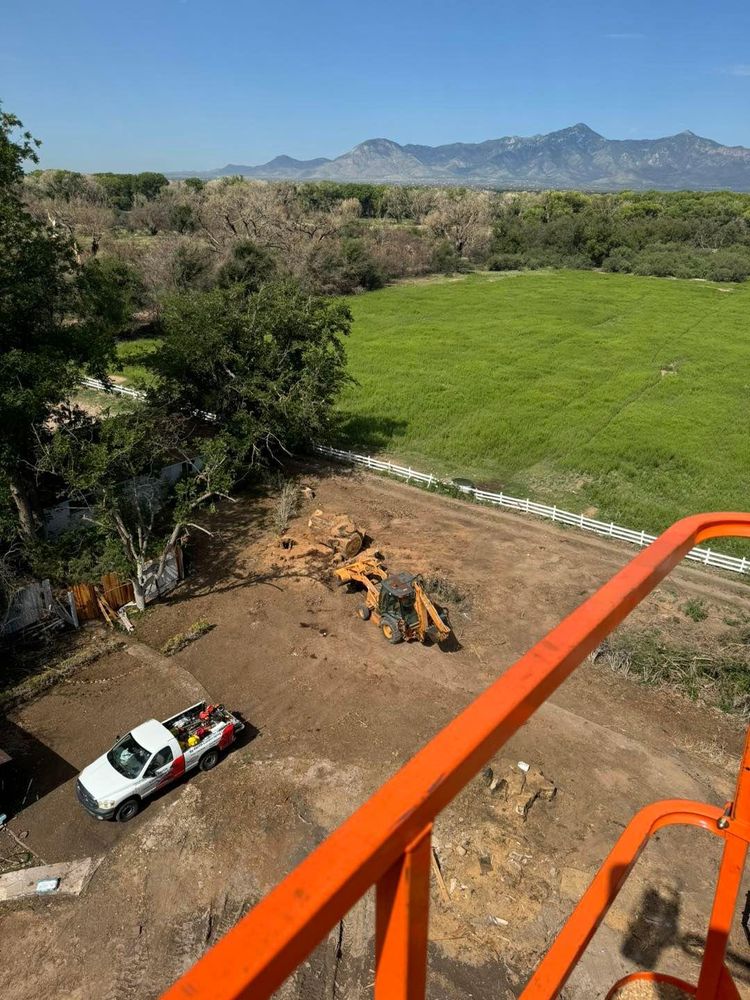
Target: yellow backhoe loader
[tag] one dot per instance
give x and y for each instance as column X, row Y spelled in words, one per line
column 398, row 603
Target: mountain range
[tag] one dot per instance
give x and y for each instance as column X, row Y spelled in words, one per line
column 575, row 157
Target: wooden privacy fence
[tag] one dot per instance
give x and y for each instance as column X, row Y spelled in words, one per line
column 706, row 556
column 115, row 591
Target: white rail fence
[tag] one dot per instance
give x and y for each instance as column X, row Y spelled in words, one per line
column 708, row 557
column 123, row 390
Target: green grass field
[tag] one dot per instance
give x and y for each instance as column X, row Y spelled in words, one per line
column 132, row 354
column 625, row 397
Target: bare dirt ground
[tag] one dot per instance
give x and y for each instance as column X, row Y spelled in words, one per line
column 337, row 710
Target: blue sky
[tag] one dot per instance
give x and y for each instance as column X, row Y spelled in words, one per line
column 180, row 84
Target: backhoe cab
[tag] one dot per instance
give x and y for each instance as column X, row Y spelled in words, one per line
column 397, row 603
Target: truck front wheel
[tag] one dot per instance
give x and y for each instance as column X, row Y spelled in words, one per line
column 209, row 759
column 127, row 810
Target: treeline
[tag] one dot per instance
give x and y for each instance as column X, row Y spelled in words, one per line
column 682, row 234
column 341, row 238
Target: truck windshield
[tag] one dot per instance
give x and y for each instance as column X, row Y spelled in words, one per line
column 128, row 757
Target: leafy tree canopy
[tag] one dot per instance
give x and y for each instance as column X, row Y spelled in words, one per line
column 51, row 325
column 268, row 365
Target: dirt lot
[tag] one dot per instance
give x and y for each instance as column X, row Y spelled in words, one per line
column 337, row 710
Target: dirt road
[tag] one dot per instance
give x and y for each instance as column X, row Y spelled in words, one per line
column 337, row 711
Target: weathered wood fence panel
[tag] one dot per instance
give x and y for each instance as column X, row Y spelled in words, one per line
column 85, row 597
column 116, row 590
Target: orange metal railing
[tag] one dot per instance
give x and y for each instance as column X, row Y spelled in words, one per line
column 386, row 842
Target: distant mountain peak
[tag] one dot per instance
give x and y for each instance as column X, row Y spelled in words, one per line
column 379, row 145
column 580, row 128
column 572, row 157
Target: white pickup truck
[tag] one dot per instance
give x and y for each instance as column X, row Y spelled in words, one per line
column 151, row 756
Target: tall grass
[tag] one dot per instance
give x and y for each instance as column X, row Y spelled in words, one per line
column 623, row 394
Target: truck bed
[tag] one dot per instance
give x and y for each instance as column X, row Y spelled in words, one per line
column 189, row 723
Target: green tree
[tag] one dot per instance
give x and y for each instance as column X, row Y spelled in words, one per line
column 149, row 184
column 110, row 291
column 121, row 189
column 50, row 328
column 268, row 365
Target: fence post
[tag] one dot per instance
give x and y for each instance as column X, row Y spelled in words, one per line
column 73, row 609
column 581, row 520
column 643, row 538
column 429, row 482
column 527, row 505
column 611, row 527
column 554, row 513
column 708, row 556
column 408, row 478
column 742, row 565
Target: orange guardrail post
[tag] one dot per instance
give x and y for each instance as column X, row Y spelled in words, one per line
column 736, row 825
column 402, row 909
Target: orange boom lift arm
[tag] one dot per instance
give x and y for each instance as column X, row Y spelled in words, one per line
column 386, row 842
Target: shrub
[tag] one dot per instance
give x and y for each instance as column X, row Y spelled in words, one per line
column 249, row 265
column 446, row 259
column 506, row 262
column 719, row 678
column 728, row 265
column 668, row 263
column 191, row 266
column 344, row 269
column 695, row 609
column 620, row 261
column 182, row 218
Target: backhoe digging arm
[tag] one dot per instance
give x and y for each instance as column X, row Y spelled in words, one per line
column 427, row 613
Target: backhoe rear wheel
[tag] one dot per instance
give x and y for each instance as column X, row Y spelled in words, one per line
column 391, row 630
column 364, row 612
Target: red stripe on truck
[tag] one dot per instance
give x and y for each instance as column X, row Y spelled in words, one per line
column 227, row 736
column 177, row 769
